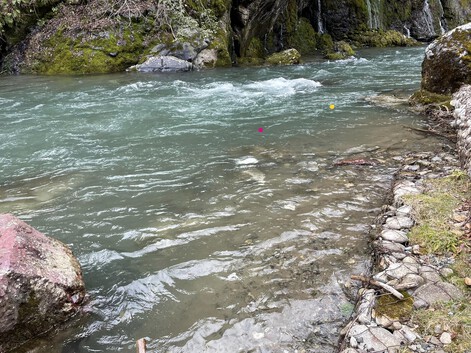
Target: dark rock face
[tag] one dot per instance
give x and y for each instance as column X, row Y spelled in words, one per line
column 447, row 63
column 41, row 283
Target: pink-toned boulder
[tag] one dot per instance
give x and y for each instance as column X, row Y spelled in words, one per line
column 41, row 283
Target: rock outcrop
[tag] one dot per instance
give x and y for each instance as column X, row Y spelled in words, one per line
column 70, row 36
column 462, row 103
column 447, row 63
column 41, row 283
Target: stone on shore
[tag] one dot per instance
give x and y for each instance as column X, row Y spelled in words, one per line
column 41, row 283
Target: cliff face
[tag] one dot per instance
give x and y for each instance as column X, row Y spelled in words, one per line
column 80, row 36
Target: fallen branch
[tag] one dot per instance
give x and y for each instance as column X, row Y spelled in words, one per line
column 385, row 286
column 431, row 132
column 141, row 345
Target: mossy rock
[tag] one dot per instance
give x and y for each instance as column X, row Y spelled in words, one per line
column 393, row 308
column 424, row 97
column 304, row 37
column 325, row 42
column 286, row 57
column 105, row 53
column 447, row 63
column 341, row 50
column 381, row 39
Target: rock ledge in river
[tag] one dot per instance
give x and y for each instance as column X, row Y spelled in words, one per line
column 41, row 282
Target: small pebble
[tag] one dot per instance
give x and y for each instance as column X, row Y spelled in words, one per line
column 445, row 338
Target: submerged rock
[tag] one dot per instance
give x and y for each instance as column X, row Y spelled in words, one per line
column 41, row 283
column 447, row 63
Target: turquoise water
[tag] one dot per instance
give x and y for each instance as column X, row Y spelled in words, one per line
column 194, row 229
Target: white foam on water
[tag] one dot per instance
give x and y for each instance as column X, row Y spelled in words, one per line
column 247, row 160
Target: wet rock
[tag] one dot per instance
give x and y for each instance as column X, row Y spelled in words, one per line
column 374, row 338
column 163, row 64
column 447, row 64
column 41, row 282
column 435, row 292
column 399, row 222
column 395, row 236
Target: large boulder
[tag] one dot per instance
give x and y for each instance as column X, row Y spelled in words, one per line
column 285, row 57
column 447, row 63
column 41, row 283
column 163, row 64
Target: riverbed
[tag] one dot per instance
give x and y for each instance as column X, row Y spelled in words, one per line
column 207, row 209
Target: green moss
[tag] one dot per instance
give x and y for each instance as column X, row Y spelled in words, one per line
column 220, row 43
column 325, row 42
column 341, row 50
column 424, row 97
column 381, row 39
column 111, row 52
column 304, row 37
column 395, row 309
column 287, row 57
column 255, row 48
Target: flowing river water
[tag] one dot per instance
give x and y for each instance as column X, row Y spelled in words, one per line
column 194, row 229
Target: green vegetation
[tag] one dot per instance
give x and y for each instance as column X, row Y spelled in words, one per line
column 436, row 232
column 380, row 38
column 111, row 52
column 424, row 97
column 433, row 210
column 393, row 308
column 341, row 50
column 453, row 317
column 304, row 37
column 287, row 57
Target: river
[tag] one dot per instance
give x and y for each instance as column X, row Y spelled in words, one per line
column 206, row 208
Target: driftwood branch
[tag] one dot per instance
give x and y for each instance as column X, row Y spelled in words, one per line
column 385, row 286
column 141, row 345
column 431, row 132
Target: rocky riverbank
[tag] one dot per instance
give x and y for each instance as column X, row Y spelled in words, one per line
column 410, row 272
column 417, row 297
